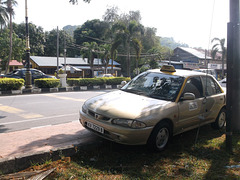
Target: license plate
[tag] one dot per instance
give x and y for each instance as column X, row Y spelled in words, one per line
column 95, row 127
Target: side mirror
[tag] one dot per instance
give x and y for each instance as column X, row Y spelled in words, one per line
column 123, row 83
column 188, row 96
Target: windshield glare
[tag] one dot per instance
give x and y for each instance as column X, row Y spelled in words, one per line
column 155, row 85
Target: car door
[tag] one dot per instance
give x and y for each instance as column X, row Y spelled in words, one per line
column 214, row 98
column 191, row 111
column 36, row 74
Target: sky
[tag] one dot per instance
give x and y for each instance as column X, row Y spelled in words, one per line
column 194, row 22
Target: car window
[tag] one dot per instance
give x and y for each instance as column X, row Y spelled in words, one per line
column 211, row 86
column 36, row 73
column 156, row 85
column 194, row 85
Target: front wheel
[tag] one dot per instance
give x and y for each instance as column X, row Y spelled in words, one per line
column 220, row 121
column 160, row 137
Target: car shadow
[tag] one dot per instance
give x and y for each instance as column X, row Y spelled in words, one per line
column 181, row 156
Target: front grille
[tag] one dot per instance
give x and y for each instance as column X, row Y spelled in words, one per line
column 98, row 116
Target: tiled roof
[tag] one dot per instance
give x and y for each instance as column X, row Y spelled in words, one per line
column 52, row 61
column 15, row 63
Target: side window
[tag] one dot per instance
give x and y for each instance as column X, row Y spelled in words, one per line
column 36, row 73
column 194, row 85
column 211, row 87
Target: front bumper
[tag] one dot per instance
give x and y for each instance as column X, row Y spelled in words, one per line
column 117, row 133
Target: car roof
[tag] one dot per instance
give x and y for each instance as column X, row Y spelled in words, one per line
column 180, row 72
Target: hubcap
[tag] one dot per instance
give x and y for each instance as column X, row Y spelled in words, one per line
column 162, row 138
column 222, row 119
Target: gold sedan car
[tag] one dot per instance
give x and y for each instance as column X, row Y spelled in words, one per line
column 156, row 105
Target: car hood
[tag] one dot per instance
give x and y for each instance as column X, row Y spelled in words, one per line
column 120, row 104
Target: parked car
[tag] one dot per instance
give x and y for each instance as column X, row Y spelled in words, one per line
column 20, row 74
column 223, row 82
column 156, row 105
column 105, row 75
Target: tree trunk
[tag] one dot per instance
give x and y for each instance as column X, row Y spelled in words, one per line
column 128, row 59
column 10, row 51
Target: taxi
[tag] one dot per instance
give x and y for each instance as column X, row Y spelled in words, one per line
column 156, row 105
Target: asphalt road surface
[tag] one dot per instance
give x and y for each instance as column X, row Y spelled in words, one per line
column 41, row 110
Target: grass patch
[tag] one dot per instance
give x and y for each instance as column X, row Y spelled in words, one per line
column 183, row 159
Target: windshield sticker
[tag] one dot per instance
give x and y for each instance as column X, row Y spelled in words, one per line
column 193, row 106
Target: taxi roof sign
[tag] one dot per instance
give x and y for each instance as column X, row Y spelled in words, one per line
column 168, row 68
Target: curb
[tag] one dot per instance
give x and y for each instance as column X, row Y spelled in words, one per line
column 21, row 162
column 60, row 89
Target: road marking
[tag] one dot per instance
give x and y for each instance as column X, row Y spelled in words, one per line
column 38, row 127
column 37, row 119
column 19, row 112
column 30, row 115
column 9, row 109
column 64, row 98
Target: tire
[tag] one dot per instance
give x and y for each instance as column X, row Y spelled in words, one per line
column 221, row 120
column 160, row 137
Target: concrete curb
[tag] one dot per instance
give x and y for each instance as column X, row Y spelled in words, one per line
column 21, row 162
column 60, row 89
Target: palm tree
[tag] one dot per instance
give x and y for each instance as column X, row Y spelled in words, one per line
column 105, row 55
column 3, row 15
column 220, row 44
column 9, row 4
column 90, row 51
column 128, row 36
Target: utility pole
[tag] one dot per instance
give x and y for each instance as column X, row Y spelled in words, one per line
column 57, row 51
column 28, row 76
column 65, row 52
column 233, row 74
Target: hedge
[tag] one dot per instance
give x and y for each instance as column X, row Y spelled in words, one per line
column 96, row 81
column 7, row 84
column 47, row 83
column 116, row 80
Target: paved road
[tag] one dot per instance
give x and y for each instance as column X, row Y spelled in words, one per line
column 40, row 110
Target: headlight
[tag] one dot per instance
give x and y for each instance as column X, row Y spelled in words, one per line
column 84, row 108
column 129, row 123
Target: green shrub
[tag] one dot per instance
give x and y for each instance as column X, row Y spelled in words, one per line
column 96, row 81
column 47, row 83
column 73, row 81
column 7, row 84
column 116, row 80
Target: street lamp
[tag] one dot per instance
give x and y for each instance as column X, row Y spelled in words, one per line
column 28, row 76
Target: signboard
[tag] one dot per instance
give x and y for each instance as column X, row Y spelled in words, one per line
column 189, row 65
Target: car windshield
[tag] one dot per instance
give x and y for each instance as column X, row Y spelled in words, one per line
column 155, row 85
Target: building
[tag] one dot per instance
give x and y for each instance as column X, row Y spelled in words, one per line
column 189, row 58
column 76, row 67
column 14, row 64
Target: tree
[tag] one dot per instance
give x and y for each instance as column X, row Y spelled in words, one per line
column 9, row 7
column 220, row 44
column 91, row 31
column 105, row 55
column 3, row 16
column 50, row 48
column 18, row 47
column 111, row 15
column 128, row 35
column 90, row 51
column 36, row 36
column 76, row 1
